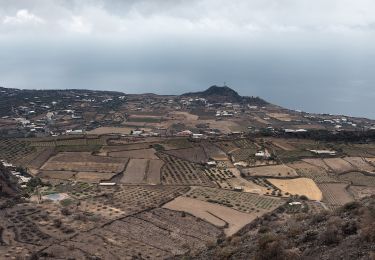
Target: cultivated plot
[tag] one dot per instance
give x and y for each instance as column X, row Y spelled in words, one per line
column 299, row 186
column 84, row 161
column 270, row 171
column 358, row 178
column 221, row 216
column 318, row 174
column 339, row 165
column 335, row 194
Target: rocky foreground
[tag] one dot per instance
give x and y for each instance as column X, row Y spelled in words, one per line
column 346, row 233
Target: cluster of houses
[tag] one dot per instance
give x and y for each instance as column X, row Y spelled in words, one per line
column 338, row 123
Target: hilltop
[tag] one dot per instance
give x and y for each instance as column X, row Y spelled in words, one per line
column 216, row 94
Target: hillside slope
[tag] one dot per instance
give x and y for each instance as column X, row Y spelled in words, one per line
column 348, row 233
column 8, row 185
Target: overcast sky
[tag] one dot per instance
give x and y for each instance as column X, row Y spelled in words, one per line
column 313, row 55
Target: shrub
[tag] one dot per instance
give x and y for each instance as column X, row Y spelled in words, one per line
column 351, row 206
column 310, row 235
column 330, row 236
column 65, row 211
column 270, row 246
column 263, row 229
column 318, row 218
column 349, row 227
column 57, row 223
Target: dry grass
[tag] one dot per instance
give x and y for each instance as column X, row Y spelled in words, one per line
column 135, row 171
column 300, row 186
column 229, row 219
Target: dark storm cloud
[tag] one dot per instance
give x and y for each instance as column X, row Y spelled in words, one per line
column 310, row 55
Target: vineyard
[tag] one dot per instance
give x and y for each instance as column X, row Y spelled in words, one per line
column 244, row 155
column 318, row 174
column 181, row 172
column 246, row 144
column 14, row 151
column 335, row 194
column 220, row 177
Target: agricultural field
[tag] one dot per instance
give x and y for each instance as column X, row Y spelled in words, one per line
column 194, row 154
column 180, row 172
column 84, row 161
column 246, row 144
column 223, row 217
column 299, row 186
column 69, row 142
column 270, row 171
column 282, row 144
column 40, row 157
column 219, row 176
column 335, row 194
column 293, row 155
column 318, row 174
column 358, row 178
column 244, row 155
column 135, row 171
column 125, row 147
column 89, row 224
column 176, row 143
column 359, row 192
column 14, row 151
column 111, row 130
column 318, row 163
column 153, row 172
column 360, row 163
column 241, row 201
column 339, row 165
column 135, row 154
column 245, row 185
column 227, row 146
column 127, row 200
column 59, row 175
column 213, row 152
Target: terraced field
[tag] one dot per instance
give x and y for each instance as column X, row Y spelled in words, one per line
column 298, row 186
column 180, row 172
column 243, row 154
column 14, row 151
column 357, row 178
column 318, row 174
column 335, row 194
column 244, row 202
